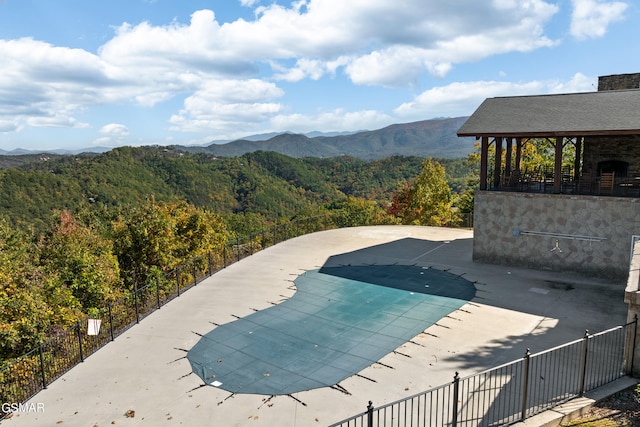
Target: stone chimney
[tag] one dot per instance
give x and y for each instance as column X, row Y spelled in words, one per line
column 619, row 82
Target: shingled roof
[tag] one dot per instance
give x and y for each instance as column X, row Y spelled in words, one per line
column 614, row 112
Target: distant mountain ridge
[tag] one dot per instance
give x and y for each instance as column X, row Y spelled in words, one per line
column 427, row 138
column 58, row 151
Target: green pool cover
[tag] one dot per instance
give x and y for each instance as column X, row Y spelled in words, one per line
column 341, row 320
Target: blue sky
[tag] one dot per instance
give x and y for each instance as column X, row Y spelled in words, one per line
column 78, row 73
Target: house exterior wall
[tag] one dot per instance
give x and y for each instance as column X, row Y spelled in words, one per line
column 622, row 147
column 499, row 215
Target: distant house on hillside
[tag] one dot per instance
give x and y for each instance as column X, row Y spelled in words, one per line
column 578, row 217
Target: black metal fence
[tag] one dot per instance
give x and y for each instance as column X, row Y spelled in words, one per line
column 515, row 391
column 25, row 376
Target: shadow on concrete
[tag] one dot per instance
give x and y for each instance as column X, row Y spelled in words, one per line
column 448, row 270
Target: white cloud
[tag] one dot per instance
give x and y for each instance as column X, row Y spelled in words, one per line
column 332, row 121
column 115, row 130
column 391, row 46
column 224, row 105
column 591, row 18
column 7, row 126
column 115, row 134
column 304, row 68
column 578, row 83
column 215, row 66
column 44, row 86
column 461, row 99
column 380, row 42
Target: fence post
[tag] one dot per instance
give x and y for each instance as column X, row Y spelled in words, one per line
column 135, row 301
column 210, row 264
column 456, row 391
column 195, row 274
column 43, row 375
column 158, row 292
column 525, row 384
column 370, row 414
column 583, row 367
column 178, row 280
column 78, row 330
column 110, row 321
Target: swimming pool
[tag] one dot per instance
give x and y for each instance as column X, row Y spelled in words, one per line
column 341, row 320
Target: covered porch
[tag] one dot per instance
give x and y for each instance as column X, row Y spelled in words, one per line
column 593, row 137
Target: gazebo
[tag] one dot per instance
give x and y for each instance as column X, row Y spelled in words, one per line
column 578, row 216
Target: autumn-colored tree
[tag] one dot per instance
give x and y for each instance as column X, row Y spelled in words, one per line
column 83, row 261
column 425, row 202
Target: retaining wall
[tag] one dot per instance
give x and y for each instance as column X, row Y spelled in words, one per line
column 518, row 229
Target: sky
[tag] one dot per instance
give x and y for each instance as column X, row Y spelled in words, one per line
column 83, row 73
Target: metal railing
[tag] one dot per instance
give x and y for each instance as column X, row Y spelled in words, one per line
column 26, row 375
column 514, row 391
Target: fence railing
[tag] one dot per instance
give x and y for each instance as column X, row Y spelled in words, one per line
column 514, row 391
column 25, row 376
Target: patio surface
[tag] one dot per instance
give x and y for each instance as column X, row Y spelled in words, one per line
column 145, row 371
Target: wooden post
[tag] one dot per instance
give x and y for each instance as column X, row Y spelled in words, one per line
column 577, row 162
column 518, row 153
column 497, row 165
column 557, row 171
column 484, row 161
column 508, row 155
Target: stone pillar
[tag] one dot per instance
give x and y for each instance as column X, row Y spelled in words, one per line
column 632, row 298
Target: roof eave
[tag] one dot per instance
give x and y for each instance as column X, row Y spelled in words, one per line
column 550, row 133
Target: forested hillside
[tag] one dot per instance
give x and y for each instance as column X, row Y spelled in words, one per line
column 265, row 183
column 80, row 232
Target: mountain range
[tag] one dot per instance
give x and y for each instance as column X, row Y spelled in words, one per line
column 427, row 138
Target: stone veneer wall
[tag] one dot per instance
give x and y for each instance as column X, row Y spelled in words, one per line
column 498, row 214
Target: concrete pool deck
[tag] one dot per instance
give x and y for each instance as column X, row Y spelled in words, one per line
column 145, row 371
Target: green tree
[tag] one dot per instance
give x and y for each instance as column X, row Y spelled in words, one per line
column 161, row 235
column 537, row 153
column 427, row 201
column 357, row 211
column 31, row 303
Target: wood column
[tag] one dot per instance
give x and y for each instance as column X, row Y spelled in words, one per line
column 497, row 166
column 484, row 161
column 557, row 170
column 508, row 155
column 577, row 163
column 518, row 153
